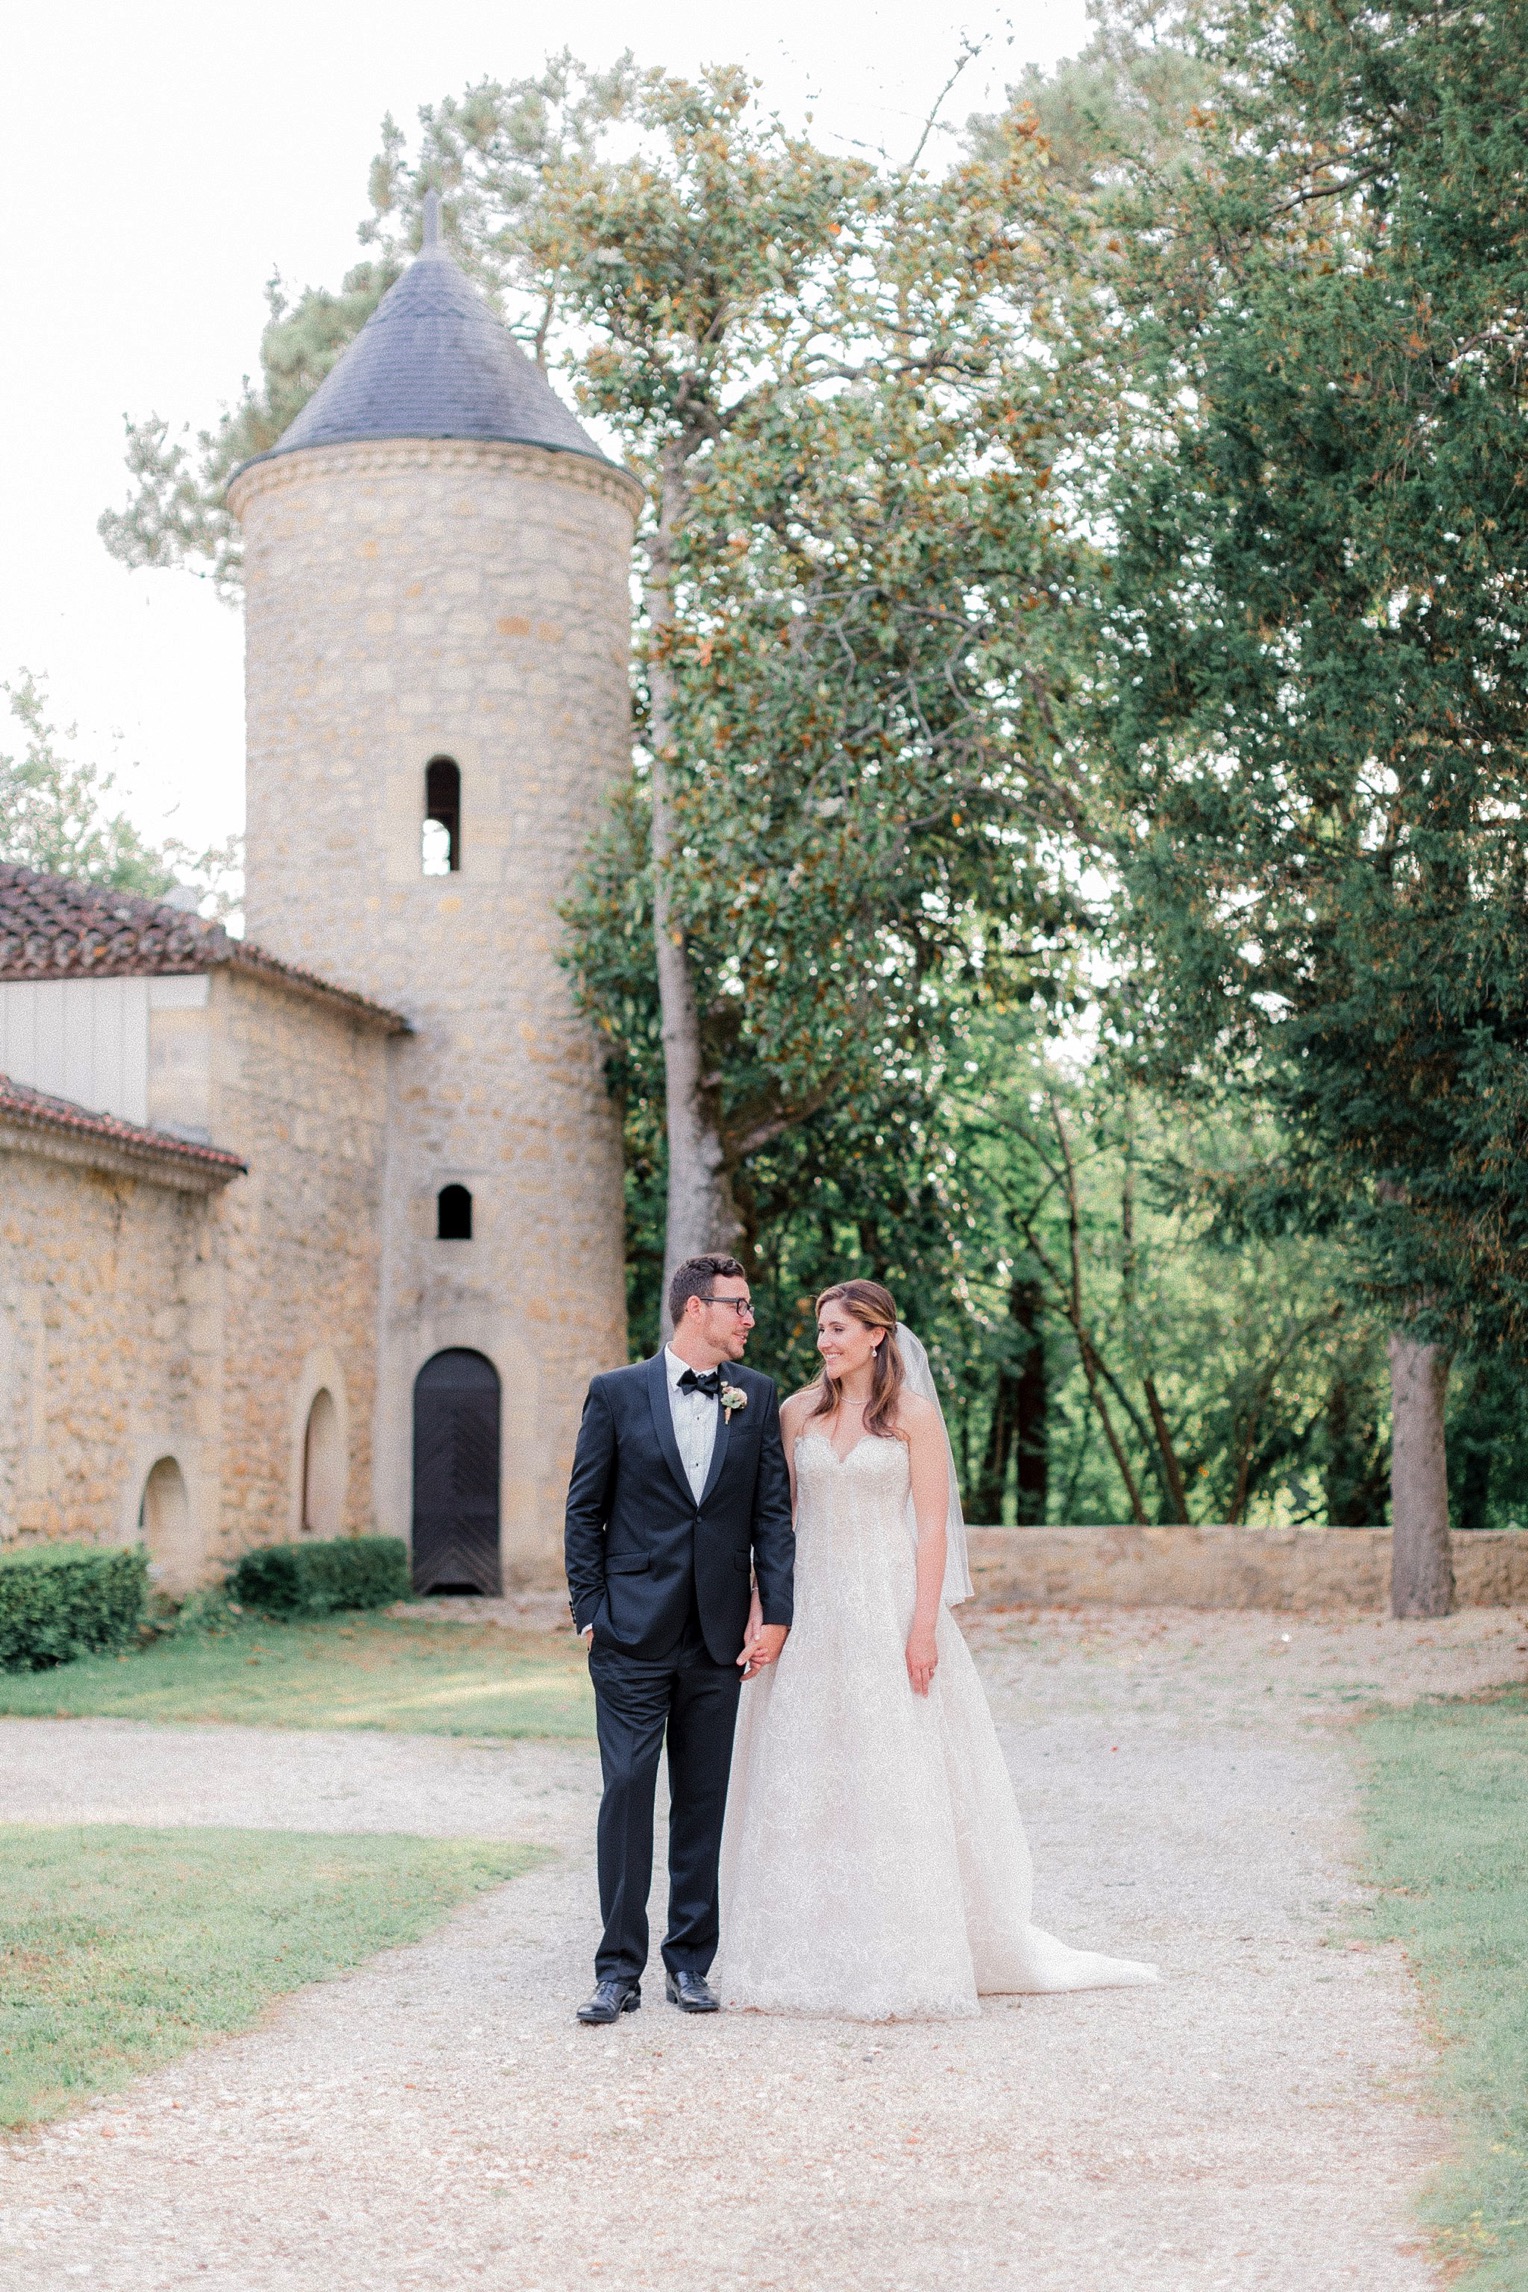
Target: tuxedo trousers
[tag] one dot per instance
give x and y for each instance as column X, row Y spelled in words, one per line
column 690, row 1700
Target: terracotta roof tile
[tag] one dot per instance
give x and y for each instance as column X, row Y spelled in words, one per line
column 52, row 927
column 35, row 1109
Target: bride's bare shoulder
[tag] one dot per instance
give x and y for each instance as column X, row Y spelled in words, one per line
column 915, row 1415
column 800, row 1405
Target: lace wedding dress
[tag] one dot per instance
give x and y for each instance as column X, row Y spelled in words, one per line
column 873, row 1861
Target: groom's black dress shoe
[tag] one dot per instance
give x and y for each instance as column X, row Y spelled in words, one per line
column 615, row 1995
column 692, row 1993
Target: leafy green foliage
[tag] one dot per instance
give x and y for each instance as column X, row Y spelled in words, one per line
column 1129, row 512
column 1487, row 1443
column 52, row 808
column 1126, row 105
column 488, row 153
column 1183, row 1375
column 325, row 1574
column 850, row 690
column 1315, row 628
column 59, row 1601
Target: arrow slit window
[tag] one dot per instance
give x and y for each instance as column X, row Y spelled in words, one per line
column 440, row 838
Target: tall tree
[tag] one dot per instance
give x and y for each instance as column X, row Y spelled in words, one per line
column 1126, row 104
column 705, row 266
column 1316, row 625
column 850, row 749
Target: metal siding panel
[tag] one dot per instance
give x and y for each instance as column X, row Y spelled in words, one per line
column 76, row 1059
column 51, row 1050
column 104, row 1065
column 86, row 1040
column 18, row 1029
column 132, row 1038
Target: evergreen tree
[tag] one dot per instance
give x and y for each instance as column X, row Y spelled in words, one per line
column 1315, row 626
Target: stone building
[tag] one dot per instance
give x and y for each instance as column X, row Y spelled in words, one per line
column 321, row 1230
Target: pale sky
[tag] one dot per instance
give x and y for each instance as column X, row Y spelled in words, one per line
column 160, row 161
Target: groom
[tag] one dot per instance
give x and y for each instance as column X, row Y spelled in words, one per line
column 679, row 1494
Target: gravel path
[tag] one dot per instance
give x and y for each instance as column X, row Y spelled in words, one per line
column 119, row 1770
column 435, row 2121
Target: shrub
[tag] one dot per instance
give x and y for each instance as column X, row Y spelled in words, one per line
column 315, row 1579
column 58, row 1601
column 204, row 1614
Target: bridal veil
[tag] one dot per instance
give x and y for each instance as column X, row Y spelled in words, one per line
column 920, row 1380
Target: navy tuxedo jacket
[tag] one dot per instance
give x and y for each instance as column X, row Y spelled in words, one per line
column 637, row 1540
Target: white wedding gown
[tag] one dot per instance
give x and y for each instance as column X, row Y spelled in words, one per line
column 873, row 1861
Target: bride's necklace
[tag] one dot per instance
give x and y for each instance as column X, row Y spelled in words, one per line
column 845, row 1406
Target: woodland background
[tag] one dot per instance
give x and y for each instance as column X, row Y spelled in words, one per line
column 1074, row 866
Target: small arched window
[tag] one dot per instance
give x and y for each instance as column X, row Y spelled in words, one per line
column 440, row 839
column 323, row 1469
column 453, row 1214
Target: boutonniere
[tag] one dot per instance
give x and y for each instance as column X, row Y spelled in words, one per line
column 732, row 1397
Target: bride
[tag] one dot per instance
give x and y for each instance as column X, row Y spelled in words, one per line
column 873, row 1862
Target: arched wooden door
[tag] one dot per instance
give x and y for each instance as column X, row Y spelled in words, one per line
column 456, row 1474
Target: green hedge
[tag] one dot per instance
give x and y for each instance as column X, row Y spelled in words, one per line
column 315, row 1579
column 58, row 1601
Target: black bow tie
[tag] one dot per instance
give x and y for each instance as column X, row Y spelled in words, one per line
column 708, row 1382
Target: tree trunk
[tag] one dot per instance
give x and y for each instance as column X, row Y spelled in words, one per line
column 701, row 1213
column 987, row 1490
column 1421, row 1565
column 1018, row 1420
column 1079, row 1331
column 1176, row 1492
column 1031, row 1427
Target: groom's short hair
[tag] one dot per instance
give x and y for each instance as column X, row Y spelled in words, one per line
column 694, row 1278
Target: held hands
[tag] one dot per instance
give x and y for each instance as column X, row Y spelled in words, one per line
column 922, row 1659
column 762, row 1646
column 762, row 1642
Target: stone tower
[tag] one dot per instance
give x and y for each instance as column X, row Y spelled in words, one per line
column 436, row 686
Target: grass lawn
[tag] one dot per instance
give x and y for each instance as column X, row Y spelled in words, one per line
column 343, row 1671
column 1447, row 1805
column 120, row 1948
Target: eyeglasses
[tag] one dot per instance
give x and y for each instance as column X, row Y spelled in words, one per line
column 740, row 1306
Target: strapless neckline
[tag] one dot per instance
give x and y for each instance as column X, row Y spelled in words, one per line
column 852, row 1450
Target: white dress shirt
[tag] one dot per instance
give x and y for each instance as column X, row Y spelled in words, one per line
column 694, row 1416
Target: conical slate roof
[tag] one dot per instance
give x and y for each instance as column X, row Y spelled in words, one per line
column 432, row 361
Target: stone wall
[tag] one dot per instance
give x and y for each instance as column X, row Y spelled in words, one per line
column 298, row 1089
column 1292, row 1569
column 151, row 1311
column 408, row 600
column 98, row 1293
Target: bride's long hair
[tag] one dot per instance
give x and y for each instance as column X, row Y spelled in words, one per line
column 876, row 1308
